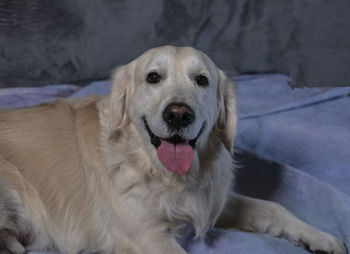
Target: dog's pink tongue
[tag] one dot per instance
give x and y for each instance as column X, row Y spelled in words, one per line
column 175, row 158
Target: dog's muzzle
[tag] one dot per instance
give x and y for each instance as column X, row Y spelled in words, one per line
column 175, row 153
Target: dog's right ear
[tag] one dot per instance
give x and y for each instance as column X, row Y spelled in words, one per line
column 227, row 120
column 122, row 79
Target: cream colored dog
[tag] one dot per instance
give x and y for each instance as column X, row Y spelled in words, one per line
column 122, row 174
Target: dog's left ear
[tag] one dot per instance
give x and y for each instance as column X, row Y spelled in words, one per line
column 120, row 95
column 227, row 120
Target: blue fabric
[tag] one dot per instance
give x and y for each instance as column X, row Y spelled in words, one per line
column 305, row 130
column 31, row 96
column 308, row 129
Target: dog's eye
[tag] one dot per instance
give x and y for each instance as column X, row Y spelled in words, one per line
column 153, row 78
column 202, row 80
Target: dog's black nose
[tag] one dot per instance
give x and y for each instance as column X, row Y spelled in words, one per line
column 178, row 115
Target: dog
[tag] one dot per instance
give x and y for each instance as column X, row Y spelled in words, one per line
column 125, row 172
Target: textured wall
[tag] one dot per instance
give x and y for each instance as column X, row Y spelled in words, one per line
column 45, row 42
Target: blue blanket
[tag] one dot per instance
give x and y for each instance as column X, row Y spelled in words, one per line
column 305, row 132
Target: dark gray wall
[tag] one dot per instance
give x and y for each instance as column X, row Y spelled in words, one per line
column 69, row 41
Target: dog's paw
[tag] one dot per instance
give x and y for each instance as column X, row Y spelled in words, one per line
column 9, row 244
column 323, row 243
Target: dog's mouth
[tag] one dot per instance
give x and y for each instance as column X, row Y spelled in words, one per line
column 175, row 153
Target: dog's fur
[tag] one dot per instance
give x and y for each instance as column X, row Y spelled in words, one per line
column 83, row 175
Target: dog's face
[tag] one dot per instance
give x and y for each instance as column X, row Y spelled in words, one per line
column 174, row 97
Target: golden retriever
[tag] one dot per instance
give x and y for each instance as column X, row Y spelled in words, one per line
column 123, row 173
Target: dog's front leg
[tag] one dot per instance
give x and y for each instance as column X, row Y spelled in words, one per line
column 268, row 217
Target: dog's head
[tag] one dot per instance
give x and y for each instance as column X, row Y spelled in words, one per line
column 175, row 97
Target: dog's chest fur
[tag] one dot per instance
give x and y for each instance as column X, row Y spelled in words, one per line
column 159, row 198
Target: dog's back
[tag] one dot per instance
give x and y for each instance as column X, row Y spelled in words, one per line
column 45, row 158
